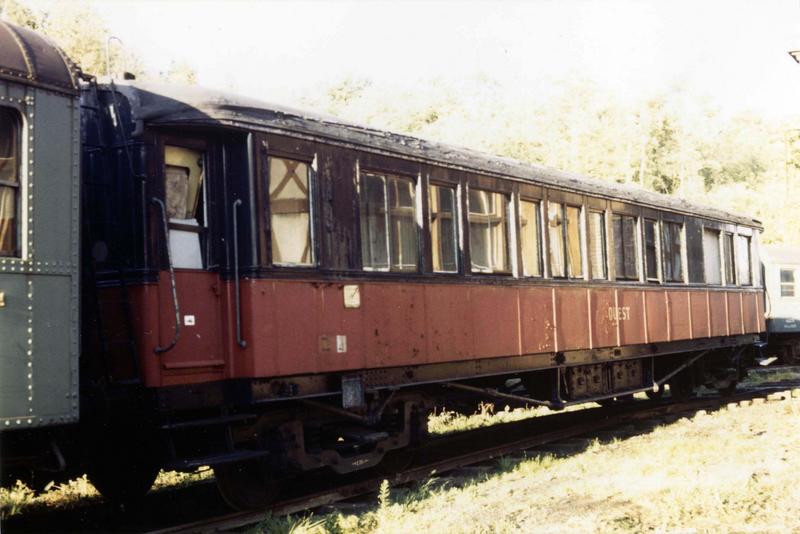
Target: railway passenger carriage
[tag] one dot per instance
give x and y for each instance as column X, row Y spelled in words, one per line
column 313, row 259
column 267, row 291
column 39, row 240
column 781, row 274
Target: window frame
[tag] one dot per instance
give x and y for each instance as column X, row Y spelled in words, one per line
column 204, row 232
column 455, row 187
column 564, row 206
column 581, row 241
column 603, row 245
column 19, row 199
column 507, row 197
column 537, row 202
column 682, row 243
column 729, row 254
column 649, row 277
column 619, row 273
column 261, row 147
column 313, row 252
column 740, row 237
column 387, row 175
column 792, row 284
column 720, row 255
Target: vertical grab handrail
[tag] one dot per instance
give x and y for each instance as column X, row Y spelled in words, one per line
column 242, row 343
column 162, row 350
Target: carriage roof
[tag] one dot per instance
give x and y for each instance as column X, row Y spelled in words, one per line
column 182, row 105
column 27, row 57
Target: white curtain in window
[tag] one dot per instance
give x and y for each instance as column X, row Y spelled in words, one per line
column 555, row 232
column 289, row 212
column 8, row 219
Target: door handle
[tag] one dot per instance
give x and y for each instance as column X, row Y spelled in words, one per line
column 236, row 204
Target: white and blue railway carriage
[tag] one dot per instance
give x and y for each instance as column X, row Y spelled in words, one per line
column 782, row 280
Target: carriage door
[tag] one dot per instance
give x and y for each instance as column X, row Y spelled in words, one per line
column 198, row 345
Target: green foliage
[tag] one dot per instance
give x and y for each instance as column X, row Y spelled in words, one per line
column 673, row 143
column 77, row 28
column 291, row 525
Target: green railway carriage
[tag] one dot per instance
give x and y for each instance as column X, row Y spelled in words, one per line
column 39, row 233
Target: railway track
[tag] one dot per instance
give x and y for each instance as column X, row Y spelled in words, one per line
column 451, row 456
column 454, row 458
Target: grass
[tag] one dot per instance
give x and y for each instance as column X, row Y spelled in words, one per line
column 447, row 422
column 730, row 471
column 766, row 375
column 20, row 499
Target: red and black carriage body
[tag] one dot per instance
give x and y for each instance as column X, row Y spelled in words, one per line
column 283, row 291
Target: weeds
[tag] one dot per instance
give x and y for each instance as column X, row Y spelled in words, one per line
column 731, row 470
column 291, row 525
column 14, row 499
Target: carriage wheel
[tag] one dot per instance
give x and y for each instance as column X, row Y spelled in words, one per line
column 247, row 485
column 123, row 485
column 681, row 387
column 122, row 466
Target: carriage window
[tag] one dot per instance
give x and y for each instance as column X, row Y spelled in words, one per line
column 388, row 223
column 711, row 259
column 574, row 242
column 444, row 233
column 787, row 282
column 625, row 252
column 743, row 258
column 529, row 237
column 555, row 233
column 566, row 240
column 651, row 250
column 727, row 255
column 184, row 177
column 488, row 234
column 9, row 182
column 673, row 261
column 289, row 212
column 597, row 245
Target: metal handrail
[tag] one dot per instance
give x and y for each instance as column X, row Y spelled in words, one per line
column 242, row 343
column 162, row 350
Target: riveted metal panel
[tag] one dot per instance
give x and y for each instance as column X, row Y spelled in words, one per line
column 40, row 332
column 14, row 361
column 52, row 395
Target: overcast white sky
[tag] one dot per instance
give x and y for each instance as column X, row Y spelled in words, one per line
column 734, row 51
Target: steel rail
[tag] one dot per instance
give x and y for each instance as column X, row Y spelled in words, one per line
column 418, row 472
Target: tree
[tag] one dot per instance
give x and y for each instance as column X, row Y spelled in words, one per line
column 77, row 29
